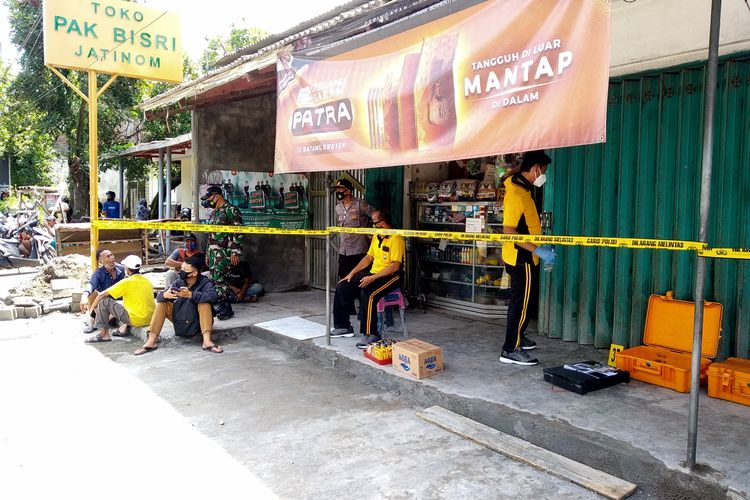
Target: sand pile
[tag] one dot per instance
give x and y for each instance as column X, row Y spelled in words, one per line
column 77, row 267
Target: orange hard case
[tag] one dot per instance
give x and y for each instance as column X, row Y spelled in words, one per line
column 730, row 380
column 668, row 334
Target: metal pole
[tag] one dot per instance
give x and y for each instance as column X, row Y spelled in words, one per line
column 122, row 188
column 160, row 187
column 327, row 187
column 700, row 265
column 93, row 168
column 169, row 196
column 194, row 164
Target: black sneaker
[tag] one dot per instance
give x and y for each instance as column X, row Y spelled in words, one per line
column 518, row 357
column 527, row 344
column 224, row 311
column 369, row 339
column 342, row 332
column 224, row 316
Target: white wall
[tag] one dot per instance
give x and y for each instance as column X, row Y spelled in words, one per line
column 651, row 34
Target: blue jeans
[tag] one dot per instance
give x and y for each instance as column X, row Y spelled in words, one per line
column 254, row 289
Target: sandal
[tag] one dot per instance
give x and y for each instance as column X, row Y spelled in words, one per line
column 214, row 348
column 97, row 338
column 145, row 349
column 118, row 333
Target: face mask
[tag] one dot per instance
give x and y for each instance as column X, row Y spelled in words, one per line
column 539, row 182
column 339, row 195
column 189, row 246
column 208, row 204
column 184, row 275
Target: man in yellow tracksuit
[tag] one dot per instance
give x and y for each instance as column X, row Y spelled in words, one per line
column 522, row 259
column 377, row 274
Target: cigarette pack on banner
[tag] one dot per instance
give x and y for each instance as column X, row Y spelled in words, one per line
column 417, row 359
column 665, row 360
column 730, row 380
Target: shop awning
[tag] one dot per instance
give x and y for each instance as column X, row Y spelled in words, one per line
column 151, row 149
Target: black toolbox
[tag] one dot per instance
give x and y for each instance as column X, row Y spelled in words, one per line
column 585, row 376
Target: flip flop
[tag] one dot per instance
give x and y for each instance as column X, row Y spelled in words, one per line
column 97, row 338
column 145, row 349
column 118, row 333
column 214, row 348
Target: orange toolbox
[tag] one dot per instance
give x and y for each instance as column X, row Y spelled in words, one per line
column 668, row 335
column 730, row 380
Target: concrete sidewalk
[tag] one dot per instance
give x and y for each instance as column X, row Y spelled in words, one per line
column 635, row 431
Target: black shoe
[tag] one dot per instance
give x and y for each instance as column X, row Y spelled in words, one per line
column 225, row 311
column 342, row 332
column 518, row 357
column 527, row 344
column 369, row 339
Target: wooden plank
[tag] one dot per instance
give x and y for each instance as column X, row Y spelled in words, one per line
column 525, row 452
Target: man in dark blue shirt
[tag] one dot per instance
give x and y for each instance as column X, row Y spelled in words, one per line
column 108, row 273
column 111, row 208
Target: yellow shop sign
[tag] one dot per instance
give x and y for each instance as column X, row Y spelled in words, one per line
column 112, row 36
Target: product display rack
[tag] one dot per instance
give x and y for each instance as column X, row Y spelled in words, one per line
column 459, row 276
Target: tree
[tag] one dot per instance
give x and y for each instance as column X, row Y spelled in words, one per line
column 63, row 114
column 219, row 46
column 21, row 137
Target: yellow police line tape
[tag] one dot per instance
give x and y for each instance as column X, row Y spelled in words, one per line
column 588, row 241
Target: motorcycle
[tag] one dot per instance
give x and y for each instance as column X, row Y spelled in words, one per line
column 40, row 249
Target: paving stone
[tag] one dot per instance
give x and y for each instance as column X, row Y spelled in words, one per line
column 7, row 313
column 23, row 301
column 33, row 311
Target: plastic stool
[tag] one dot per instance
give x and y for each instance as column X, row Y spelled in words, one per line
column 395, row 298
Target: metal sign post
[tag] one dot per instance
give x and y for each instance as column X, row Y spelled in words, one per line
column 92, row 100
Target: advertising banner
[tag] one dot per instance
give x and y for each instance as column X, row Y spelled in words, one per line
column 113, row 37
column 459, row 79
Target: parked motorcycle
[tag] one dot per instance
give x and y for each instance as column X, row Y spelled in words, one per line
column 37, row 240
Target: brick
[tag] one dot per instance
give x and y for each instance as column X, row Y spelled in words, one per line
column 64, row 284
column 56, row 306
column 33, row 312
column 20, row 312
column 23, row 301
column 7, row 314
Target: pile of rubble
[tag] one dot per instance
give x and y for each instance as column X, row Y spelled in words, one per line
column 57, row 287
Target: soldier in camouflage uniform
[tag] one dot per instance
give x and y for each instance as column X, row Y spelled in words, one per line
column 224, row 249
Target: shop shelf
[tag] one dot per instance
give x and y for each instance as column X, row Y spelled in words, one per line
column 448, row 262
column 443, row 223
column 489, row 245
column 459, row 203
column 441, row 280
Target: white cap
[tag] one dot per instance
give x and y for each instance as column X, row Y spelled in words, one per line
column 131, row 262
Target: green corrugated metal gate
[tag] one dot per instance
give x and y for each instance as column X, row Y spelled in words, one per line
column 645, row 182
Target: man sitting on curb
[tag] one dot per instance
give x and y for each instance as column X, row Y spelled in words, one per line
column 241, row 283
column 108, row 273
column 386, row 256
column 175, row 260
column 187, row 304
column 137, row 302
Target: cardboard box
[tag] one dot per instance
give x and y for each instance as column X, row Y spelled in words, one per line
column 417, row 359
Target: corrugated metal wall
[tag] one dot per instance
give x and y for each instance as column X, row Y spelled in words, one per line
column 645, row 182
column 317, row 244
